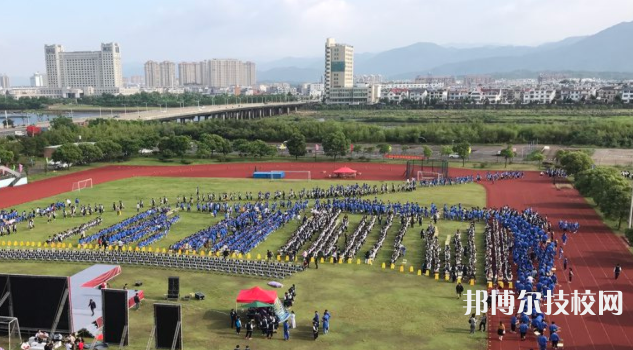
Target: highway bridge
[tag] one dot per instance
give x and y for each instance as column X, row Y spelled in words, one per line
column 190, row 114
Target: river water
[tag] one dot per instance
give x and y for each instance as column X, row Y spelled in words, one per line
column 22, row 118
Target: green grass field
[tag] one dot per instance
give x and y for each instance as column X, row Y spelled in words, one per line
column 372, row 308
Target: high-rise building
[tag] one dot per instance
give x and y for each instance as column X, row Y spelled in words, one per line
column 221, row 73
column 250, row 74
column 167, row 74
column 100, row 70
column 339, row 66
column 4, row 81
column 38, row 80
column 188, row 73
column 152, row 74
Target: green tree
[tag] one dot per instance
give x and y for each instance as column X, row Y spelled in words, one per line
column 174, row 145
column 90, row 153
column 427, row 151
column 609, row 190
column 335, row 144
column 259, row 148
column 215, row 143
column 446, row 150
column 110, row 149
column 297, row 145
column 575, row 162
column 463, row 150
column 6, row 156
column 68, row 153
column 63, row 122
column 507, row 154
column 536, row 156
column 202, row 150
column 129, row 147
column 383, row 148
column 404, row 148
column 241, row 146
column 370, row 149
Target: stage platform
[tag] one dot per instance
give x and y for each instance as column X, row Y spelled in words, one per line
column 85, row 286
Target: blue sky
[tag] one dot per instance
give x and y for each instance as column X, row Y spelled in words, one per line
column 264, row 30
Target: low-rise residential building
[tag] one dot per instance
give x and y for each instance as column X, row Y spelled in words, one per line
column 458, row 95
column 540, row 96
column 627, row 94
column 396, row 95
column 418, row 94
column 607, row 94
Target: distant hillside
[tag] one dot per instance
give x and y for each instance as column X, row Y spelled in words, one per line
column 610, row 50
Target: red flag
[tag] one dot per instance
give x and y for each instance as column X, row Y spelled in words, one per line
column 351, row 147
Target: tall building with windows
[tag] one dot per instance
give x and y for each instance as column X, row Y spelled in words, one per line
column 339, row 77
column 4, row 81
column 98, row 70
column 152, row 74
column 187, row 73
column 167, row 74
column 220, row 73
column 339, row 66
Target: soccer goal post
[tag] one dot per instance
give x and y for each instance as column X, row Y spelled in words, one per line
column 83, row 184
column 429, row 175
column 10, row 332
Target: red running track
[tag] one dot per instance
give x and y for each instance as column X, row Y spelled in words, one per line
column 60, row 184
column 592, row 253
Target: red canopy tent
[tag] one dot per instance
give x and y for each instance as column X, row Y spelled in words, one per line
column 345, row 172
column 257, row 294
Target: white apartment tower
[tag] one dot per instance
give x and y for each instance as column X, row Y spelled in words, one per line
column 187, row 73
column 100, row 70
column 38, row 80
column 167, row 74
column 4, row 81
column 152, row 74
column 339, row 66
column 220, row 73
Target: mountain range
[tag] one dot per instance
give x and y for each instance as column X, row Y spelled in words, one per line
column 610, row 50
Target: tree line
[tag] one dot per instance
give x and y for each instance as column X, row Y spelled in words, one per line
column 610, row 191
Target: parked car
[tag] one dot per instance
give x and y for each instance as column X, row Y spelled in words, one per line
column 454, row 156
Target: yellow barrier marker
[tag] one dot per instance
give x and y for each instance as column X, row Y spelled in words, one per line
column 392, row 266
column 401, row 268
column 357, row 261
column 322, row 260
column 437, row 276
column 259, row 257
column 411, row 269
column 427, row 273
column 419, row 272
column 248, row 256
column 472, row 282
column 278, row 257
